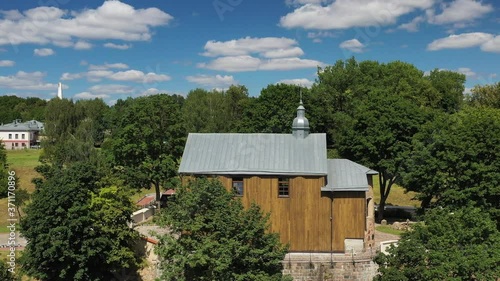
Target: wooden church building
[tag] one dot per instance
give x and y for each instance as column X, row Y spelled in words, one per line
column 315, row 204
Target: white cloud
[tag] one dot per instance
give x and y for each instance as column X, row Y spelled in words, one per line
column 111, row 89
column 465, row 40
column 71, row 76
column 4, row 63
column 303, row 2
column 27, row 81
column 83, row 45
column 118, row 46
column 267, row 47
column 251, row 54
column 234, row 63
column 96, row 73
column 248, row 63
column 352, row 45
column 138, row 76
column 304, row 82
column 88, row 95
column 151, row 91
column 213, row 81
column 113, row 20
column 343, row 14
column 412, row 26
column 107, row 66
column 284, row 53
column 316, row 36
column 43, row 52
column 492, row 45
column 460, row 11
column 466, row 71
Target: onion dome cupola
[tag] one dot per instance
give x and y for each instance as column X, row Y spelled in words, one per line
column 300, row 126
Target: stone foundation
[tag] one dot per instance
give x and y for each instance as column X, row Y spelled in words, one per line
column 326, row 267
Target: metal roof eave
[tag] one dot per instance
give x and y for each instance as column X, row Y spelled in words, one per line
column 344, row 188
column 256, row 173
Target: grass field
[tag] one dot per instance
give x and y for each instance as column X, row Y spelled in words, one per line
column 397, row 196
column 23, row 161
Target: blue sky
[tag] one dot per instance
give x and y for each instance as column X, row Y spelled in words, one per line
column 116, row 49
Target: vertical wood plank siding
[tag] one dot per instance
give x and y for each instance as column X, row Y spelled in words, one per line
column 304, row 218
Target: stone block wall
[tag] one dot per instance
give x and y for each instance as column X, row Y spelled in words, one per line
column 336, row 270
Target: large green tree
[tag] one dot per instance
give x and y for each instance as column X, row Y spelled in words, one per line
column 485, row 95
column 274, row 109
column 204, row 111
column 214, row 111
column 147, row 140
column 214, row 238
column 456, row 161
column 379, row 135
column 374, row 109
column 450, row 86
column 451, row 245
column 77, row 231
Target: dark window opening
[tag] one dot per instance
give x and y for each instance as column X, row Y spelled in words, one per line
column 238, row 186
column 283, row 187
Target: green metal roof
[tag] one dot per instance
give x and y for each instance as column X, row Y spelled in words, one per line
column 346, row 175
column 255, row 154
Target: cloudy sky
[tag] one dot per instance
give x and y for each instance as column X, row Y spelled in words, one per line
column 116, row 49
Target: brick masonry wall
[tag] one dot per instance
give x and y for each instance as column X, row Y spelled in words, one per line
column 339, row 270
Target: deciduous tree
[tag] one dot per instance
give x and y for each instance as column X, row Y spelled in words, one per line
column 379, row 135
column 71, row 234
column 451, row 245
column 456, row 161
column 486, row 95
column 147, row 139
column 214, row 238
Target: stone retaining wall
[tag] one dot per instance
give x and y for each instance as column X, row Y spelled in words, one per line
column 337, row 268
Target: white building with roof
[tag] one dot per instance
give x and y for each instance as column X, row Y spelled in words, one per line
column 19, row 135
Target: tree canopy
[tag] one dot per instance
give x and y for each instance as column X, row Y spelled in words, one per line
column 73, row 130
column 77, row 231
column 456, row 161
column 12, row 107
column 147, row 139
column 214, row 238
column 486, row 95
column 452, row 245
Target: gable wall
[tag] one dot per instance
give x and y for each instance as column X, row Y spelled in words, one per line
column 303, row 219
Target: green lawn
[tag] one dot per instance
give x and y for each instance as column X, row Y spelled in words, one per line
column 27, row 158
column 398, row 196
column 23, row 162
column 388, row 229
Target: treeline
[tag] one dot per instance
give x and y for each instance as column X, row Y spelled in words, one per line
column 13, row 107
column 417, row 130
column 383, row 115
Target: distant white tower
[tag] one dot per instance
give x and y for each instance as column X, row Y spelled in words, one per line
column 59, row 91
